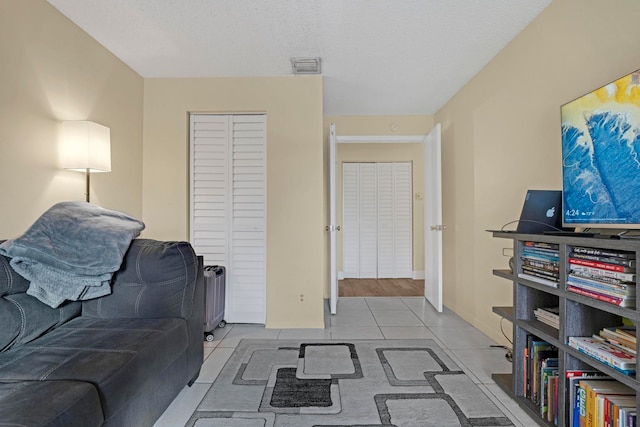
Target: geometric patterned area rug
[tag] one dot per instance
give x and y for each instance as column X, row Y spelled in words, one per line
column 353, row 383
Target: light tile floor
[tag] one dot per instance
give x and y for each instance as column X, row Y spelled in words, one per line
column 366, row 318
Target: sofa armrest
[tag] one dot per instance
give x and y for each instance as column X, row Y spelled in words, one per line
column 157, row 279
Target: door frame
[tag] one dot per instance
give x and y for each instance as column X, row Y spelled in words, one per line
column 333, row 227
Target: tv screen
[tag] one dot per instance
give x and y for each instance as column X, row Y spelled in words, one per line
column 601, row 156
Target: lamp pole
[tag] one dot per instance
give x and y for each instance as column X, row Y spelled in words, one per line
column 88, row 175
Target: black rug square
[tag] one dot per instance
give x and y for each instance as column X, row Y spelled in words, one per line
column 291, row 392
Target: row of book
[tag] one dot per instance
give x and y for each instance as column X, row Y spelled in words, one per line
column 608, row 403
column 549, row 390
column 602, row 348
column 540, row 376
column 541, row 263
column 597, row 400
column 621, row 337
column 603, row 274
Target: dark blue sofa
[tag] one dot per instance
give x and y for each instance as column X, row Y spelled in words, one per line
column 116, row 361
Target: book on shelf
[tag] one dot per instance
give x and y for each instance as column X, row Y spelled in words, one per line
column 541, row 245
column 627, row 277
column 548, row 315
column 541, row 280
column 626, row 302
column 526, row 385
column 614, row 343
column 540, row 354
column 542, row 265
column 619, row 337
column 602, row 265
column 548, row 370
column 603, row 287
column 540, row 258
column 552, row 414
column 594, row 389
column 609, row 282
column 535, row 352
column 605, row 353
column 603, row 252
column 541, row 249
column 609, row 260
column 545, row 355
column 540, row 272
column 577, row 395
column 627, row 330
column 615, row 408
column 546, row 254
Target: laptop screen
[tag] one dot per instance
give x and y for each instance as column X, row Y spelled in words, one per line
column 542, row 211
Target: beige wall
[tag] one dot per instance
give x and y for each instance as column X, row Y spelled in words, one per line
column 295, row 225
column 53, row 71
column 382, row 152
column 501, row 136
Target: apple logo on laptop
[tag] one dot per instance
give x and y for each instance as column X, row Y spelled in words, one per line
column 551, row 212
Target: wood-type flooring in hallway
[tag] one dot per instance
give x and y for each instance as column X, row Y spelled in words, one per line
column 380, row 288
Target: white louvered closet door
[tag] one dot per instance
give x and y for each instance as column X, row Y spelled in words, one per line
column 210, row 159
column 403, row 220
column 351, row 220
column 377, row 220
column 229, row 221
column 385, row 211
column 368, row 233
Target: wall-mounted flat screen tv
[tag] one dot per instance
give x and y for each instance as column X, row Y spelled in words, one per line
column 601, row 156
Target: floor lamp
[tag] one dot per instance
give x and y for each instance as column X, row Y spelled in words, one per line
column 87, row 148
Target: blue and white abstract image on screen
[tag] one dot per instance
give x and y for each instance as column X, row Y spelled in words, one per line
column 601, row 156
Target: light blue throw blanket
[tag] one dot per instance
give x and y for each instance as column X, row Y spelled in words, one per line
column 72, row 251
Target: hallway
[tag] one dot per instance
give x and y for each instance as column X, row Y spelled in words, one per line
column 380, row 288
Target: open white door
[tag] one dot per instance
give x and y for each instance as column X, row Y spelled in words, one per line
column 333, row 228
column 433, row 219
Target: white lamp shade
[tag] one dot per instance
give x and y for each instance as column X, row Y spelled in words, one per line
column 86, row 145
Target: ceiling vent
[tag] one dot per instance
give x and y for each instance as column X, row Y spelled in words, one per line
column 305, row 65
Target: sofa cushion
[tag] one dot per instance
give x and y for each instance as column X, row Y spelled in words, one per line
column 10, row 281
column 49, row 404
column 156, row 279
column 118, row 357
column 24, row 318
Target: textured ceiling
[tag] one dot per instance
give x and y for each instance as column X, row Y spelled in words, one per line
column 395, row 57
